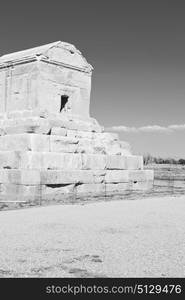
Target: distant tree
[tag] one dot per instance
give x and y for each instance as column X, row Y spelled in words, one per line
column 148, row 159
column 181, row 161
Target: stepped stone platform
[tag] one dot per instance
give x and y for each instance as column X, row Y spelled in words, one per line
column 50, row 148
column 40, row 161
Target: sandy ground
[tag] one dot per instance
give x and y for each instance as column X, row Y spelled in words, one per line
column 140, row 238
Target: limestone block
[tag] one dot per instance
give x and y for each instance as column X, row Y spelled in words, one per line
column 112, row 176
column 19, row 142
column 79, row 126
column 84, row 134
column 131, row 162
column 26, row 177
column 49, row 160
column 59, row 131
column 117, row 187
column 29, row 125
column 85, row 146
column 9, row 159
column 20, row 114
column 98, row 146
column 115, row 162
column 62, row 161
column 94, row 189
column 114, row 148
column 71, row 176
column 19, row 190
column 59, row 177
column 14, row 114
column 141, row 175
column 63, row 144
column 72, row 133
column 93, row 161
column 28, row 113
column 125, row 152
column 99, row 176
column 141, row 185
column 106, row 136
column 134, row 162
column 56, row 122
column 31, row 160
column 30, row 177
column 40, row 142
column 2, row 132
column 10, row 176
column 24, row 142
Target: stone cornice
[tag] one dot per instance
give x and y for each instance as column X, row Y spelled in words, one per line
column 12, row 63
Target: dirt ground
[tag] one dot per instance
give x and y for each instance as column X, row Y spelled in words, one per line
column 123, row 238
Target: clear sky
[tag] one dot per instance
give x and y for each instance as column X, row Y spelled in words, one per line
column 137, row 48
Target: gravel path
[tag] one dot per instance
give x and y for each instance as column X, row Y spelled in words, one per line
column 140, row 238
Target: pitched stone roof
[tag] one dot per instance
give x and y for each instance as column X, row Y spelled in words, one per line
column 60, row 53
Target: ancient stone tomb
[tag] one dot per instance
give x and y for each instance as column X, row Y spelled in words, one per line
column 50, row 147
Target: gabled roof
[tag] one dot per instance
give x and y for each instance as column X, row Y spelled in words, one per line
column 60, row 53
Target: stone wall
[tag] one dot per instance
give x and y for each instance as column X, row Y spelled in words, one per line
column 45, row 159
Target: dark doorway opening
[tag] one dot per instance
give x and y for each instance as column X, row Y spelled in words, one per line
column 64, row 100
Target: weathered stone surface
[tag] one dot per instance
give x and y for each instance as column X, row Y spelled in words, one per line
column 19, row 142
column 50, row 160
column 119, row 162
column 20, row 114
column 63, row 144
column 93, row 161
column 59, row 131
column 115, row 148
column 95, row 189
column 40, row 142
column 73, row 176
column 19, row 189
column 20, row 195
column 64, row 177
column 72, row 133
column 128, row 175
column 9, row 160
column 24, row 142
column 115, row 162
column 117, row 187
column 134, row 162
column 23, row 125
column 84, row 134
column 62, row 161
column 117, row 176
column 31, row 159
column 106, row 136
column 141, row 175
column 99, row 175
column 85, row 146
column 141, row 185
column 25, row 177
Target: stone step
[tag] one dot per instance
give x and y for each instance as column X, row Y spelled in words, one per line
column 27, row 121
column 42, row 177
column 40, row 194
column 65, row 144
column 68, row 161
